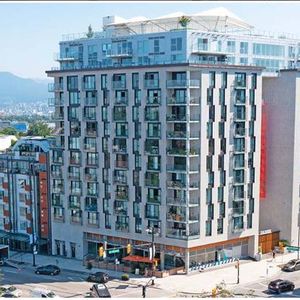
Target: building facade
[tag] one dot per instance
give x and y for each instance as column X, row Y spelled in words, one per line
column 175, row 147
column 25, row 209
column 279, row 208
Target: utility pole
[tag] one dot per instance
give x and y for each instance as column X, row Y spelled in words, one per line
column 151, row 230
column 237, row 266
column 298, row 235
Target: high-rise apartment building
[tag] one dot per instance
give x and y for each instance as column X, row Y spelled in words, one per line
column 24, row 205
column 148, row 137
column 280, row 206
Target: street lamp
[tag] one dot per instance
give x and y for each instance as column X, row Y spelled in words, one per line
column 152, row 230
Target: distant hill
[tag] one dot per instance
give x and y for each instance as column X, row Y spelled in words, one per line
column 14, row 89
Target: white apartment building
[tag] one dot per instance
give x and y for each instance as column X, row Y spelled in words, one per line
column 157, row 129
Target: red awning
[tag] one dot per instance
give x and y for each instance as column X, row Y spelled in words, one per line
column 137, row 258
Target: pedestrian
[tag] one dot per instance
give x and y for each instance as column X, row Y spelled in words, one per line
column 273, row 254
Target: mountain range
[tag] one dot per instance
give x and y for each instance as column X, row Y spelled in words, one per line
column 15, row 89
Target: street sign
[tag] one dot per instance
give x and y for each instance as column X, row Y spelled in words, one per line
column 113, row 251
column 292, row 248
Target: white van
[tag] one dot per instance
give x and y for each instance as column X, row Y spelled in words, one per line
column 43, row 293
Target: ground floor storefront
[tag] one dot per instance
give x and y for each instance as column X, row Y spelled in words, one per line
column 167, row 258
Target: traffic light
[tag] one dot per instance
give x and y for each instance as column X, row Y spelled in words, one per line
column 128, row 248
column 101, row 251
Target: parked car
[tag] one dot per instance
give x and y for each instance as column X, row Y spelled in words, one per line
column 99, row 291
column 43, row 293
column 280, row 285
column 8, row 295
column 10, row 289
column 98, row 277
column 48, row 270
column 291, row 266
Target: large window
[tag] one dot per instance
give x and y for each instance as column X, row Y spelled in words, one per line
column 244, row 47
column 176, row 44
column 202, row 44
column 231, row 46
column 268, row 50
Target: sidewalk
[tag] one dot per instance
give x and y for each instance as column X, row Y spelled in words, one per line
column 250, row 271
column 68, row 264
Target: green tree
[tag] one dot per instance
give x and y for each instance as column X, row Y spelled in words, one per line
column 39, row 128
column 9, row 131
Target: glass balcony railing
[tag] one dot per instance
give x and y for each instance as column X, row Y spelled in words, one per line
column 90, row 177
column 152, row 150
column 58, row 116
column 176, row 117
column 183, row 101
column 182, row 152
column 55, row 87
column 90, row 147
column 119, row 149
column 91, row 132
column 121, row 195
column 119, row 85
column 152, row 116
column 56, row 102
column 120, row 226
column 177, row 233
column 183, row 83
column 91, row 101
column 153, row 100
column 118, row 116
column 152, row 182
column 121, row 164
column 151, row 83
column 120, row 179
column 121, row 101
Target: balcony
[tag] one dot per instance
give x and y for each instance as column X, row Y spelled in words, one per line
column 89, row 117
column 52, row 102
column 153, row 100
column 121, row 164
column 238, row 210
column 66, row 57
column 56, row 174
column 178, row 184
column 118, row 85
column 152, row 150
column 177, row 168
column 176, row 217
column 28, row 216
column 239, row 132
column 90, row 147
column 74, row 176
column 183, row 83
column 120, row 54
column 182, row 202
column 240, row 83
column 120, row 211
column 120, row 180
column 76, row 191
column 120, row 149
column 58, row 116
column 183, row 101
column 57, row 189
column 151, row 83
column 92, row 163
column 152, row 167
column 121, row 101
column 120, row 116
column 91, row 132
column 178, row 233
column 57, row 202
column 75, row 161
column 152, row 116
column 176, row 117
column 151, row 182
column 55, row 87
column 121, row 196
column 182, row 152
column 90, row 177
column 91, row 101
column 120, row 226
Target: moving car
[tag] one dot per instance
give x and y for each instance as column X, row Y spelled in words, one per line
column 280, row 285
column 99, row 291
column 43, row 293
column 291, row 266
column 98, row 277
column 10, row 290
column 48, row 270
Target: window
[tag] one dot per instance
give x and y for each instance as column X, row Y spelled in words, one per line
column 72, row 83
column 156, row 45
column 244, row 60
column 203, row 44
column 138, row 225
column 208, row 228
column 268, row 50
column 74, row 98
column 224, row 80
column 103, row 81
column 231, row 46
column 220, row 226
column 253, row 81
column 152, row 211
column 244, row 47
column 212, row 79
column 107, row 221
column 153, row 130
column 176, row 44
column 89, row 82
column 135, row 80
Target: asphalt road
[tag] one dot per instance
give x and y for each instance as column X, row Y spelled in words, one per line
column 71, row 284
column 260, row 288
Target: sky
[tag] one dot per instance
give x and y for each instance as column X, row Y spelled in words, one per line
column 30, row 32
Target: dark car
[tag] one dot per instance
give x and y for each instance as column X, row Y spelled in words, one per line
column 8, row 295
column 279, row 285
column 48, row 270
column 291, row 266
column 98, row 277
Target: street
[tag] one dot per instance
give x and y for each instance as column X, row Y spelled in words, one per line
column 72, row 284
column 260, row 288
